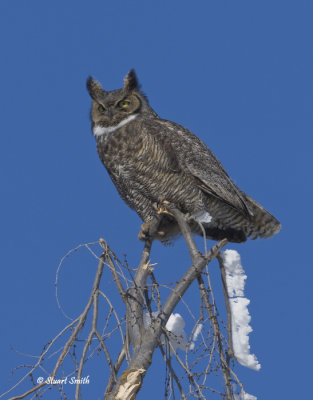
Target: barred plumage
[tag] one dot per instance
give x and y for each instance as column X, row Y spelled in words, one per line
column 151, row 160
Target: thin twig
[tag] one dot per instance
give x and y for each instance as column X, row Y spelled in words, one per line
column 114, row 312
column 117, row 280
column 170, row 367
column 117, row 367
column 189, row 373
column 82, row 317
column 217, row 333
column 81, row 321
column 230, row 350
column 58, row 271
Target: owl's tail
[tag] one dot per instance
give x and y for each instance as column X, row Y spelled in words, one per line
column 262, row 223
column 228, row 222
column 221, row 221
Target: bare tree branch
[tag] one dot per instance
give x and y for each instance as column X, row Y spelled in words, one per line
column 144, row 341
column 108, row 257
column 217, row 333
column 169, row 364
column 230, row 350
column 117, row 367
column 211, row 354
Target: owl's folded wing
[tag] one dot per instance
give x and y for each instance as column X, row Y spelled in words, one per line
column 219, row 185
column 195, row 158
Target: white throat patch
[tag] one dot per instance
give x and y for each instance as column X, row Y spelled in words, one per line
column 104, row 130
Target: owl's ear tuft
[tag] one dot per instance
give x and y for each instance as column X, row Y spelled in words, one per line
column 131, row 81
column 94, row 88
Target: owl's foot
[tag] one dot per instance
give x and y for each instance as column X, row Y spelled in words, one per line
column 143, row 234
column 149, row 230
column 163, row 207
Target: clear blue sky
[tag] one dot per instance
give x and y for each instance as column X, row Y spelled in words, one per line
column 236, row 73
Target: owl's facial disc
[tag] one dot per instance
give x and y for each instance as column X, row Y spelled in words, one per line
column 111, row 111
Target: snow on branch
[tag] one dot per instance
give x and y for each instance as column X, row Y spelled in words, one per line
column 176, row 333
column 244, row 396
column 240, row 317
column 175, row 327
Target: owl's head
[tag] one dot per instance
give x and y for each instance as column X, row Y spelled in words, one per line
column 110, row 108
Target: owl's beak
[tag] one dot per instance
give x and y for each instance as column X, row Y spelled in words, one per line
column 109, row 113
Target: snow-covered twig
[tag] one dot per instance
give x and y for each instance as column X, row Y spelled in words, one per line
column 240, row 317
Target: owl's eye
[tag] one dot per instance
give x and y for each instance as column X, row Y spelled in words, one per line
column 100, row 108
column 124, row 103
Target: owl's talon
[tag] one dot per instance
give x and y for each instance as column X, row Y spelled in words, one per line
column 144, row 233
column 188, row 217
column 164, row 209
column 149, row 230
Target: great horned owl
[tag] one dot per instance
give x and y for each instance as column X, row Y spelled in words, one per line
column 151, row 160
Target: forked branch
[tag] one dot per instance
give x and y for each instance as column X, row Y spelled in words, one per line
column 145, row 339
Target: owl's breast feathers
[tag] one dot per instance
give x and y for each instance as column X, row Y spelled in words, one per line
column 138, row 159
